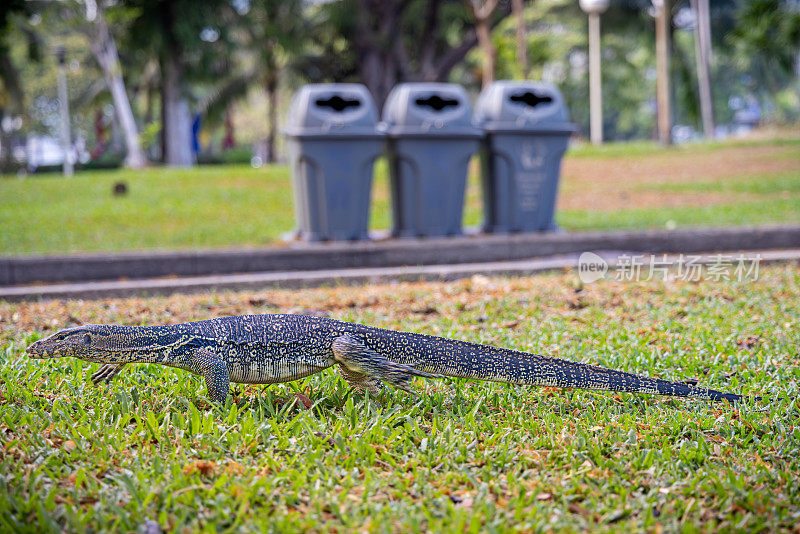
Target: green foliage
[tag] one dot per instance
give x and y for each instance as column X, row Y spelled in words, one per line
column 11, row 91
column 787, row 105
column 263, row 42
column 755, row 45
column 161, row 26
column 234, row 156
column 463, row 456
column 270, row 36
column 765, row 40
column 239, row 156
column 39, row 78
column 150, row 134
column 557, row 51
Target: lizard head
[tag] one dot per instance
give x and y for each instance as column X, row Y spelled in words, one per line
column 78, row 342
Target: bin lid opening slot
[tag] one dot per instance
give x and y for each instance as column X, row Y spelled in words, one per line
column 531, row 99
column 337, row 103
column 436, row 102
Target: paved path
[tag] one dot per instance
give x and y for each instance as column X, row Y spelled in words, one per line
column 295, row 279
column 477, row 248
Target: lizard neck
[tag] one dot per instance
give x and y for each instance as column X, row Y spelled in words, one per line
column 129, row 344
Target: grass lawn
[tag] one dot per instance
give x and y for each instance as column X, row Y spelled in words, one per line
column 617, row 186
column 461, row 457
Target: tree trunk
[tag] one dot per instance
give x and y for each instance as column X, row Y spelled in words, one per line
column 229, row 142
column 662, row 69
column 162, row 111
column 455, row 55
column 489, row 52
column 271, row 88
column 371, row 68
column 430, row 30
column 383, row 60
column 518, row 8
column 6, row 150
column 482, row 12
column 177, row 119
column 376, row 40
column 702, row 49
column 154, row 151
column 105, row 52
column 13, row 104
column 378, row 71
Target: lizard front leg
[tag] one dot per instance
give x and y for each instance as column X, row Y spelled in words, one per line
column 364, row 368
column 215, row 373
column 107, row 372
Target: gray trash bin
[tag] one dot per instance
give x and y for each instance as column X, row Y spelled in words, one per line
column 333, row 141
column 527, row 130
column 431, row 140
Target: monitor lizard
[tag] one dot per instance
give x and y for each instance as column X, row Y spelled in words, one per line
column 265, row 349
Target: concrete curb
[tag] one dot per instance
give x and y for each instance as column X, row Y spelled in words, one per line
column 299, row 279
column 385, row 253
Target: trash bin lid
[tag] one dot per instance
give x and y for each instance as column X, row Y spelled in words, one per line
column 429, row 110
column 509, row 106
column 332, row 110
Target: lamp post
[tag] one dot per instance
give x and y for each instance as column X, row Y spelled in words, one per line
column 63, row 98
column 594, row 8
column 662, row 70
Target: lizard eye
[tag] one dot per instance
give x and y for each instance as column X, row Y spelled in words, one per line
column 87, row 339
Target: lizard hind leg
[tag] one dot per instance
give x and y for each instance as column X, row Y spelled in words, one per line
column 364, row 368
column 215, row 373
column 360, row 380
column 107, row 372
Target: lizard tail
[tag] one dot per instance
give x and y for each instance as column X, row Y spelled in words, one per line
column 470, row 360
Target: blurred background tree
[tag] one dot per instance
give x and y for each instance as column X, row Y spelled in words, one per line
column 12, row 95
column 763, row 40
column 211, row 80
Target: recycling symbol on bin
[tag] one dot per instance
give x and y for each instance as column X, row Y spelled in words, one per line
column 533, row 155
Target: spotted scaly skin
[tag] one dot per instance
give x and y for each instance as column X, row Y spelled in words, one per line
column 265, row 349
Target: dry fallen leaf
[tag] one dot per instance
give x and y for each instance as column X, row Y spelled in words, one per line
column 749, row 342
column 234, row 468
column 204, row 467
column 576, row 508
column 305, row 401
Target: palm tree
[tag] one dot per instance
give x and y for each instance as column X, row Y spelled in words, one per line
column 271, row 34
